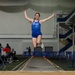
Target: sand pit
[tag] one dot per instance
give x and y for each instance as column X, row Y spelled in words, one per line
column 37, row 73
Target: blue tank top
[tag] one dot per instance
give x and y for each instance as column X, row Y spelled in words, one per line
column 36, row 27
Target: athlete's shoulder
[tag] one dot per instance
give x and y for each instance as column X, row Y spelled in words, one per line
column 40, row 21
column 31, row 21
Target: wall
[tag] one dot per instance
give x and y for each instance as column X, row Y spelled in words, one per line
column 12, row 20
column 20, row 44
column 16, row 24
column 12, row 17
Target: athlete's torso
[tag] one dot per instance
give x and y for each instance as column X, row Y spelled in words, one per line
column 36, row 27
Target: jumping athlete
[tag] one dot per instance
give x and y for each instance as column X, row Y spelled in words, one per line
column 36, row 28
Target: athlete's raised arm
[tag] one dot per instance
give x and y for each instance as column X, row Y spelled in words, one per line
column 46, row 19
column 25, row 15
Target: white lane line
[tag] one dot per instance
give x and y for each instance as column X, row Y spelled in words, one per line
column 21, row 67
column 18, row 65
column 54, row 65
column 26, row 64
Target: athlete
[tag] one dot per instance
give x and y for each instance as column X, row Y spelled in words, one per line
column 36, row 28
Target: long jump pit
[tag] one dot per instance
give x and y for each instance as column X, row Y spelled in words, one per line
column 37, row 73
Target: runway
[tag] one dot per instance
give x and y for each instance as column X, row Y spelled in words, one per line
column 38, row 64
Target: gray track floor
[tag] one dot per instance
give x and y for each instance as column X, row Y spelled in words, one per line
column 39, row 64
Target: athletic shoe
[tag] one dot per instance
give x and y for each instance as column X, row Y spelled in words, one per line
column 42, row 45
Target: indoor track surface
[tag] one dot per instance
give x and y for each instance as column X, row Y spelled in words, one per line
column 38, row 64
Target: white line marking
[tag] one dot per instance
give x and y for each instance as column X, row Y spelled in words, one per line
column 54, row 65
column 26, row 64
column 18, row 65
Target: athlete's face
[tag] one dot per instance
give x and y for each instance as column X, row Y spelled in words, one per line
column 37, row 16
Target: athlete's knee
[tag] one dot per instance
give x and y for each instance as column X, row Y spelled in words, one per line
column 35, row 46
column 38, row 43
